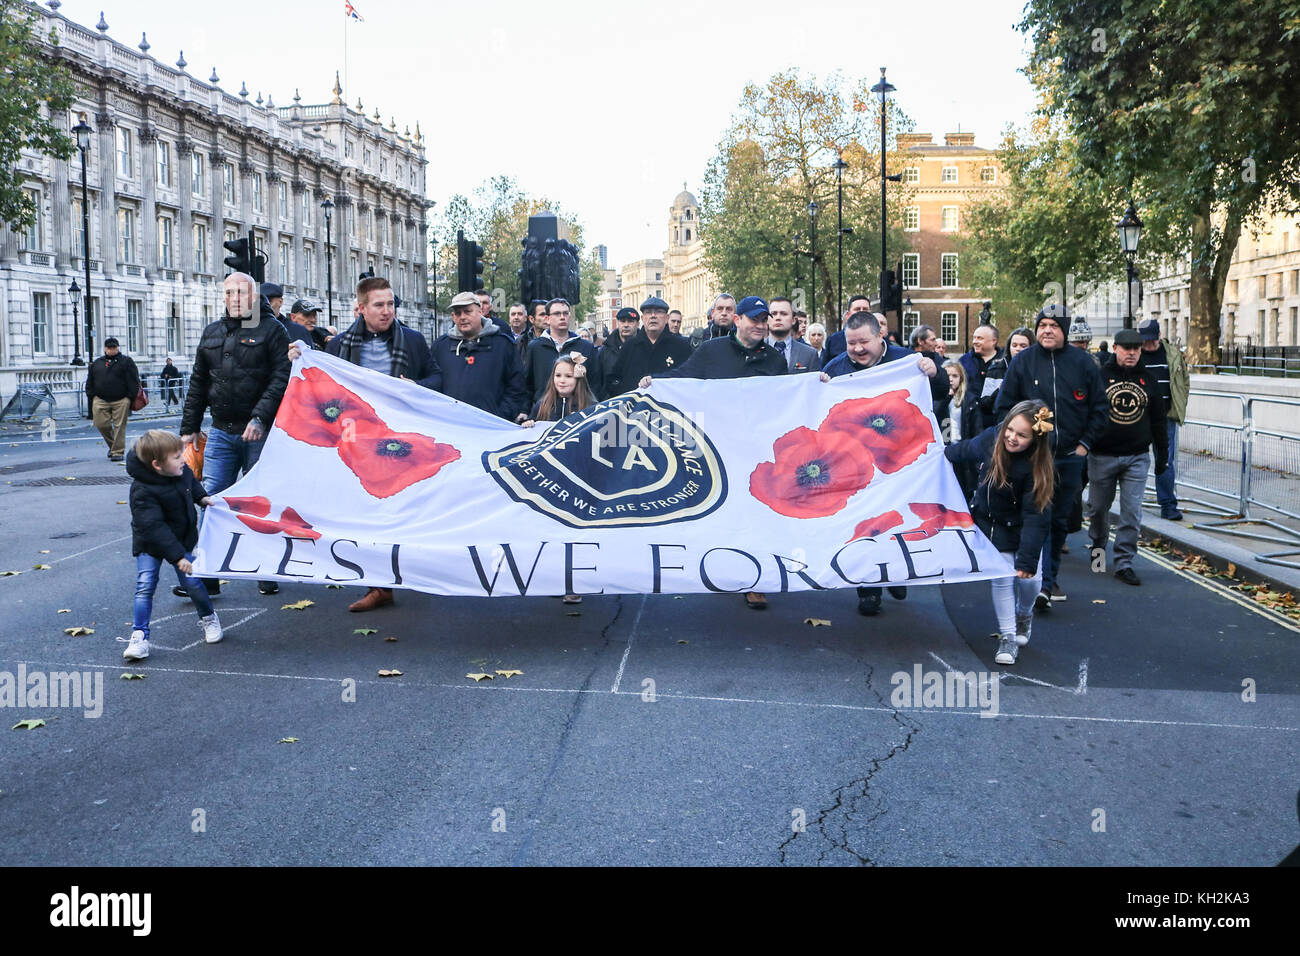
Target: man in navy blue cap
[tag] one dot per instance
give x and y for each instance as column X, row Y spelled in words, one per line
column 626, row 321
column 742, row 354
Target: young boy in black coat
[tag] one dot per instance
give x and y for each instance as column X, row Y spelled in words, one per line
column 164, row 528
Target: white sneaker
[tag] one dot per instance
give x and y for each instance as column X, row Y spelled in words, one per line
column 211, row 628
column 1024, row 627
column 1007, row 650
column 137, row 649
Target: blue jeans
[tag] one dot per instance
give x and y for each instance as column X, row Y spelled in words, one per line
column 146, row 582
column 1166, row 494
column 1069, row 481
column 225, row 456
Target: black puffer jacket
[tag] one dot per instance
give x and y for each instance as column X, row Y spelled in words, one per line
column 1007, row 514
column 1068, row 382
column 112, row 379
column 163, row 523
column 240, row 373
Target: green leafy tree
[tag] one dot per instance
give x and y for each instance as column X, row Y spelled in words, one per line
column 1190, row 108
column 775, row 159
column 33, row 87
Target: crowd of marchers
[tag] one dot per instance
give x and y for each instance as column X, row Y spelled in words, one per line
column 1027, row 427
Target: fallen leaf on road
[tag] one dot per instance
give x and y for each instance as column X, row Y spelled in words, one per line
column 134, row 676
column 817, row 621
column 1232, row 570
column 390, row 673
column 507, row 673
column 678, row 597
column 40, row 567
column 297, row 605
column 334, row 587
column 1098, row 601
column 121, row 502
column 65, row 610
column 365, row 630
column 78, row 631
column 46, row 551
column 478, row 677
column 287, row 740
column 5, row 574
column 28, row 725
column 391, row 639
column 69, row 477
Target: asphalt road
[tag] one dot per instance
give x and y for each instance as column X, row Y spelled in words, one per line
column 1122, row 736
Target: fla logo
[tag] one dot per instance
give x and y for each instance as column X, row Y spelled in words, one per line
column 627, row 461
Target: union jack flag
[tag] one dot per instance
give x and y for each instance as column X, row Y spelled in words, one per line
column 350, row 11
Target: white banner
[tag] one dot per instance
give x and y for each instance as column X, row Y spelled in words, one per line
column 759, row 484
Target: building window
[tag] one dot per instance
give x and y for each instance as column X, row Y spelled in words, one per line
column 40, row 323
column 124, row 151
column 308, row 266
column 352, row 221
column 228, row 183
column 257, row 192
column 948, row 326
column 370, row 225
column 988, row 174
column 347, row 149
column 165, row 242
column 174, row 330
column 911, row 269
column 126, row 230
column 164, row 164
column 284, row 262
column 912, row 174
column 369, row 158
column 948, row 277
column 196, row 174
column 284, row 201
column 949, row 174
column 30, row 238
column 910, row 321
column 200, row 247
column 688, row 235
column 134, row 308
column 306, row 208
column 948, row 219
column 911, row 218
column 78, row 239
column 353, row 266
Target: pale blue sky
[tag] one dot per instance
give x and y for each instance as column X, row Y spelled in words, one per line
column 642, row 91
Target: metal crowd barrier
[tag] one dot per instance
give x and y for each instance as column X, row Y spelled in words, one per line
column 1258, row 467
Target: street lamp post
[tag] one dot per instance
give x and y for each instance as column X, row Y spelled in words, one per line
column 812, row 256
column 1130, row 233
column 840, row 166
column 882, row 89
column 82, row 131
column 74, row 293
column 328, row 205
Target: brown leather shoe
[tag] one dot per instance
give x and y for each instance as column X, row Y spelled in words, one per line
column 375, row 597
column 756, row 601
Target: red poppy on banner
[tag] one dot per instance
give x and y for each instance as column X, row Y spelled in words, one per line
column 877, row 525
column 254, row 512
column 894, row 430
column 936, row 517
column 317, row 410
column 386, row 461
column 814, row 474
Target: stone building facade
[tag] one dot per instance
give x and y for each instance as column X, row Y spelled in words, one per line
column 175, row 167
column 680, row 278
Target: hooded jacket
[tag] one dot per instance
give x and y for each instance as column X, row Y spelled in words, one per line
column 483, row 371
column 163, row 522
column 1007, row 514
column 1068, row 381
column 1136, row 413
column 540, row 358
column 240, row 373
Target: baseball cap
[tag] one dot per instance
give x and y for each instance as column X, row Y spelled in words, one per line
column 303, row 307
column 464, row 298
column 1149, row 329
column 628, row 315
column 1130, row 338
column 751, row 306
column 272, row 291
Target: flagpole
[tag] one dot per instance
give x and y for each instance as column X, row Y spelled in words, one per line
column 347, row 88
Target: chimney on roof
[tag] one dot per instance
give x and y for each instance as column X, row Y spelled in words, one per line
column 959, row 139
column 910, row 140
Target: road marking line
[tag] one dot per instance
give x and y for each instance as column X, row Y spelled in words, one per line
column 815, row 705
column 88, row 550
column 225, row 628
column 1221, row 590
column 1080, row 689
column 618, row 678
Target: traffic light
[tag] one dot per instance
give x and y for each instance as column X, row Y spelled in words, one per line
column 469, row 264
column 241, row 261
column 893, row 284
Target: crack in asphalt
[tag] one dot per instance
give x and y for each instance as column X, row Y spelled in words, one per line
column 562, row 746
column 849, row 795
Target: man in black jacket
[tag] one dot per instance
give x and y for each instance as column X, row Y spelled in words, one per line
column 1120, row 455
column 542, row 352
column 479, row 364
column 654, row 351
column 609, row 381
column 241, row 370
column 111, row 385
column 720, row 321
column 1068, row 382
column 170, row 379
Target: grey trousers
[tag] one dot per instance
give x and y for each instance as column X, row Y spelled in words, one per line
column 1105, row 472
